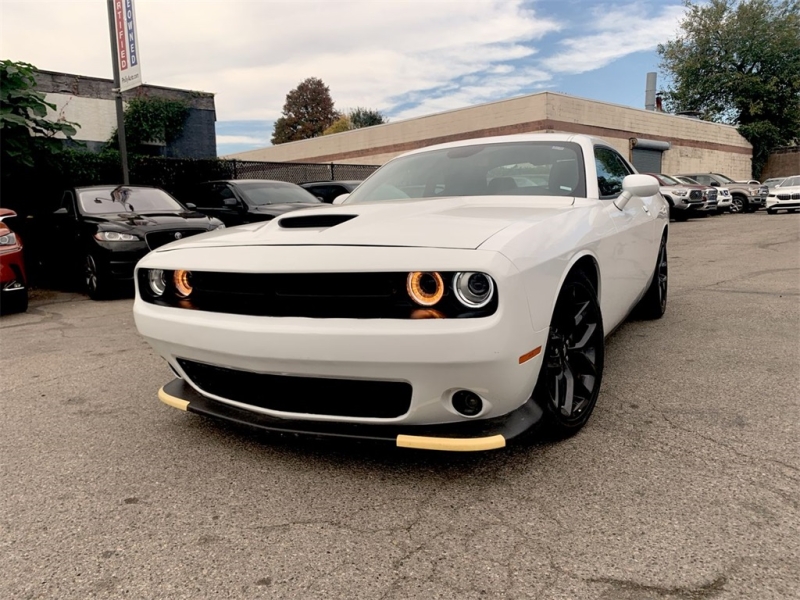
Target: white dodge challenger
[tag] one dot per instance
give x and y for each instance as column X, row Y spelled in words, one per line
column 458, row 297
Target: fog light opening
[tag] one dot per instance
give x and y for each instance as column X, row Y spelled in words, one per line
column 467, row 403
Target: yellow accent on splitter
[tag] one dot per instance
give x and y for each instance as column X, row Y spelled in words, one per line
column 171, row 400
column 451, row 444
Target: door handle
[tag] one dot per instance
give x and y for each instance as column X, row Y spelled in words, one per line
column 645, row 209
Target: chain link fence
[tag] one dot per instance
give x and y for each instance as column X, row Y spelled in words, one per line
column 297, row 172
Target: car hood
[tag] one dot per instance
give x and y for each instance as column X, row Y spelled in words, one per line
column 442, row 223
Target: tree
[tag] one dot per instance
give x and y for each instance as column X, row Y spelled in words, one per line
column 356, row 119
column 738, row 62
column 26, row 134
column 307, row 112
column 366, row 117
column 149, row 120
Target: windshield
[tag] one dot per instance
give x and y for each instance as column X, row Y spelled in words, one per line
column 791, row 182
column 275, row 192
column 773, row 182
column 724, row 179
column 512, row 168
column 669, row 180
column 688, row 180
column 96, row 201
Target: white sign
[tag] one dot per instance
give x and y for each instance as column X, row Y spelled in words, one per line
column 130, row 71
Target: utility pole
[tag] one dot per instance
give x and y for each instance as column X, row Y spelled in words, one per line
column 123, row 151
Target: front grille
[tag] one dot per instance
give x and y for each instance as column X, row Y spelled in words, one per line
column 313, row 295
column 789, row 196
column 306, row 395
column 695, row 195
column 156, row 239
column 712, row 195
column 763, row 191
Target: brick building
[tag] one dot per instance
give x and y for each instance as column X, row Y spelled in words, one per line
column 89, row 101
column 654, row 141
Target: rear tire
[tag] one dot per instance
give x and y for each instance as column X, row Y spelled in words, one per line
column 654, row 303
column 772, row 212
column 572, row 367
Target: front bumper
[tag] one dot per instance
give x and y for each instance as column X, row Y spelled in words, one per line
column 775, row 204
column 468, row 436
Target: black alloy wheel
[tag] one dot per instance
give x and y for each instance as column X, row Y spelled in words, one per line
column 93, row 278
column 653, row 304
column 572, row 368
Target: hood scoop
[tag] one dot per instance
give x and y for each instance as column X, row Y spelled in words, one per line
column 314, row 221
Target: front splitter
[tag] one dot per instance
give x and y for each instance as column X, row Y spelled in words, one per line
column 465, row 436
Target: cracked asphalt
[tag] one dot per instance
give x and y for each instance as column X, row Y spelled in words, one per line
column 685, row 484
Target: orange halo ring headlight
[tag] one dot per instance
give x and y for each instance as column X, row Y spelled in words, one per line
column 425, row 288
column 183, row 283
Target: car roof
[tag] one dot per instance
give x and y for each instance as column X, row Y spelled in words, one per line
column 341, row 182
column 116, row 185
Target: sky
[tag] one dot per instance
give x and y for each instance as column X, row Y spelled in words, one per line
column 405, row 58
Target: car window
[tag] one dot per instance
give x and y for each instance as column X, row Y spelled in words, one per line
column 275, row 192
column 211, row 195
column 479, row 169
column 791, row 182
column 611, row 170
column 704, row 179
column 68, row 202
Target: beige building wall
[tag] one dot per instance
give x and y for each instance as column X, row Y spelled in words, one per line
column 694, row 145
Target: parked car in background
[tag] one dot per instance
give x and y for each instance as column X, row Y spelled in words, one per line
column 773, row 181
column 723, row 196
column 747, row 197
column 784, row 196
column 101, row 232
column 685, row 200
column 241, row 201
column 453, row 321
column 13, row 280
column 328, row 191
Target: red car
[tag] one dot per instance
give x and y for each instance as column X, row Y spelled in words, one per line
column 13, row 283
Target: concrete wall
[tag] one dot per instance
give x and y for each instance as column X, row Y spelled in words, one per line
column 784, row 162
column 89, row 101
column 695, row 145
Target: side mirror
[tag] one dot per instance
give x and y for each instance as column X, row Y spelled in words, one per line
column 714, row 184
column 191, row 206
column 642, row 186
column 340, row 199
column 230, row 202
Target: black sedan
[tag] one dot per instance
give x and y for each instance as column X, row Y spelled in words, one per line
column 241, row 201
column 328, row 191
column 103, row 231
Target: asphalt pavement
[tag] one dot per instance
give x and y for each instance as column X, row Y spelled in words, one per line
column 685, row 484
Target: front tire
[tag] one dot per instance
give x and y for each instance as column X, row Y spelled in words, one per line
column 572, row 368
column 95, row 280
column 653, row 304
column 14, row 302
column 739, row 204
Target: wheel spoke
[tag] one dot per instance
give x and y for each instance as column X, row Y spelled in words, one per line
column 581, row 343
column 569, row 392
column 581, row 313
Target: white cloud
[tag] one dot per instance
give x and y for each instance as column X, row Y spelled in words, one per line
column 250, row 54
column 242, row 139
column 620, row 31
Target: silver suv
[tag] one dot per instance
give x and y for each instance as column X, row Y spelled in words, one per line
column 685, row 200
column 746, row 196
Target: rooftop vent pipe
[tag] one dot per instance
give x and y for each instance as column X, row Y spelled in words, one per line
column 650, row 92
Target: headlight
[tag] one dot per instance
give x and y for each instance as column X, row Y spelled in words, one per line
column 474, row 290
column 426, row 289
column 219, row 225
column 680, row 192
column 157, row 281
column 115, row 236
column 8, row 239
column 753, row 191
column 183, row 283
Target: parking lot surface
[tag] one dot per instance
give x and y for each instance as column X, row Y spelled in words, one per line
column 685, row 484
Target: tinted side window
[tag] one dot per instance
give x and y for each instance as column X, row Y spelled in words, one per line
column 68, row 202
column 211, row 195
column 611, row 170
column 704, row 179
